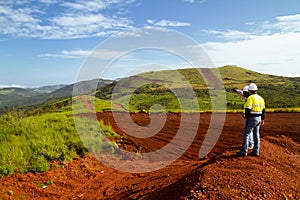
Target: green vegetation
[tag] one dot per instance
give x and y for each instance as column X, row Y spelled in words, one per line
column 147, row 95
column 159, row 86
column 280, row 93
column 30, row 143
column 95, row 138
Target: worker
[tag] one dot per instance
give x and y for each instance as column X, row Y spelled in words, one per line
column 255, row 115
column 245, row 93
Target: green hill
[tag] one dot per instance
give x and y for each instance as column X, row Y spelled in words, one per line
column 159, row 86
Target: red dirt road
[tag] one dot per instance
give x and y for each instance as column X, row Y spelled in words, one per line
column 275, row 174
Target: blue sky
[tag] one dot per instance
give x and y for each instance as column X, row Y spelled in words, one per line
column 45, row 42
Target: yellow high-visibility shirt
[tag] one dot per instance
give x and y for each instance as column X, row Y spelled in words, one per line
column 255, row 103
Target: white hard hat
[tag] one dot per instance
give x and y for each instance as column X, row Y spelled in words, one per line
column 252, row 87
column 246, row 88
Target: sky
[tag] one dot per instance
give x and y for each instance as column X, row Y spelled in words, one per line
column 46, row 42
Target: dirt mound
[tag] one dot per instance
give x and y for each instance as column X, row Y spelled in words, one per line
column 272, row 175
column 221, row 175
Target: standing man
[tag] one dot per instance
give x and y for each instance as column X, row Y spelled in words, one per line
column 255, row 115
column 245, row 93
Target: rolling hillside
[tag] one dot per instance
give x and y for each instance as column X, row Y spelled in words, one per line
column 145, row 89
column 13, row 96
column 20, row 97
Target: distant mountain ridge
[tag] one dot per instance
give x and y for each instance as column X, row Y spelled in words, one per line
column 49, row 89
column 278, row 91
column 18, row 97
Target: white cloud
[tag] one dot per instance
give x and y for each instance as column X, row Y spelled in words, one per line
column 168, row 23
column 14, row 21
column 85, row 5
column 276, row 54
column 49, row 1
column 75, row 20
column 150, row 21
column 229, row 34
column 79, row 19
column 189, row 1
column 101, row 54
column 282, row 24
column 290, row 23
column 272, row 48
column 193, row 1
column 67, row 54
column 12, row 86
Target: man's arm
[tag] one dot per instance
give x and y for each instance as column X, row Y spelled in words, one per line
column 263, row 114
column 263, row 117
column 240, row 92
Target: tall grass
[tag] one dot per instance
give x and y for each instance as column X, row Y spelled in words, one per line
column 96, row 136
column 29, row 144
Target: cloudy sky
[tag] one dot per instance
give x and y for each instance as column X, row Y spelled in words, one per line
column 46, row 42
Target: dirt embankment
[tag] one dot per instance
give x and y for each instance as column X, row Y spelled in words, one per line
column 275, row 174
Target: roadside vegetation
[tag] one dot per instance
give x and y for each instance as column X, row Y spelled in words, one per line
column 33, row 139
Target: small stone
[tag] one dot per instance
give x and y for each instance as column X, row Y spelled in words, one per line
column 10, row 192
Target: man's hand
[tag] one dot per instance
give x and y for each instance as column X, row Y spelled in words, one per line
column 262, row 122
column 235, row 89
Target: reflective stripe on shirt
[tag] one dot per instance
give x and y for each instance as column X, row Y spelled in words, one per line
column 255, row 103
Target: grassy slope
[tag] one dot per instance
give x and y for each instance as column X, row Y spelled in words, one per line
column 279, row 92
column 31, row 140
